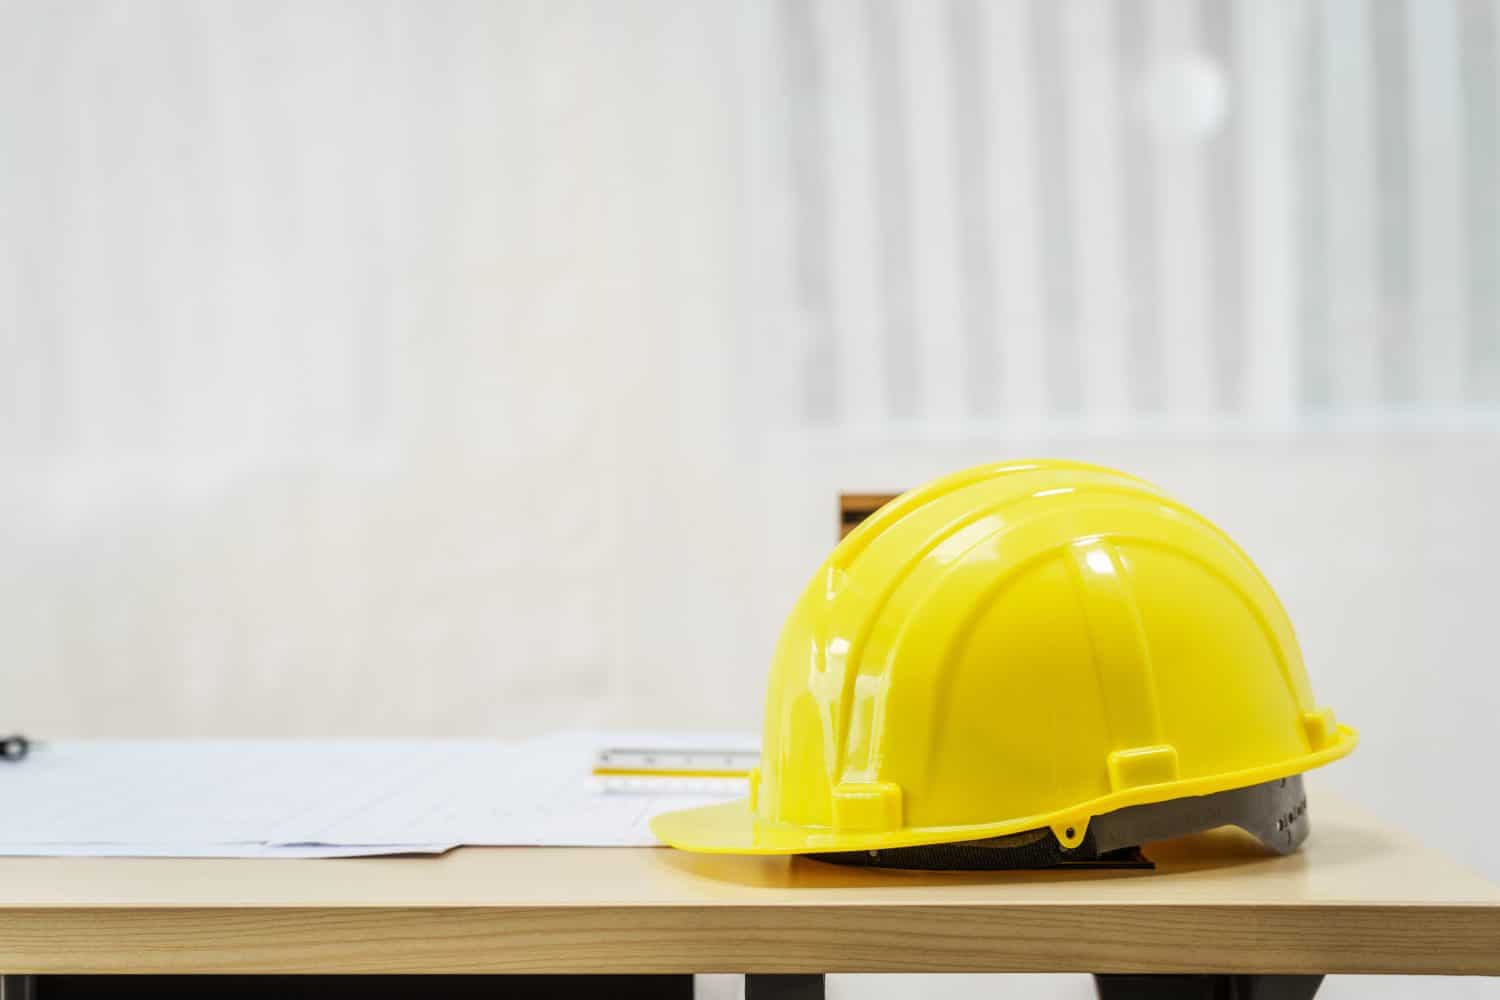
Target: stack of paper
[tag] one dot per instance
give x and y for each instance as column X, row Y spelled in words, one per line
column 332, row 799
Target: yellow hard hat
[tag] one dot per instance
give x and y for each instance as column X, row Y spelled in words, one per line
column 1027, row 648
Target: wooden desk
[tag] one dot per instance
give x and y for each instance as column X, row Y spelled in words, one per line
column 1359, row 898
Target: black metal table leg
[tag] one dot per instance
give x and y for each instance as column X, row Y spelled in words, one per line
column 759, row 986
column 1212, row 987
column 14, row 987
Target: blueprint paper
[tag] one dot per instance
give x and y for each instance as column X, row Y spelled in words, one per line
column 167, row 850
column 535, row 793
column 336, row 798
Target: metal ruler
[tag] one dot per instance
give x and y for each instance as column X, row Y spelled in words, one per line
column 653, row 762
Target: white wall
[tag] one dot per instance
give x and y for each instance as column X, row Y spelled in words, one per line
column 478, row 368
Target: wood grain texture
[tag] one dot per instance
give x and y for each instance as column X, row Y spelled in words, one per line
column 1360, row 899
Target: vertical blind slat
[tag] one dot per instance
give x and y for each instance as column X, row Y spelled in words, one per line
column 1254, row 211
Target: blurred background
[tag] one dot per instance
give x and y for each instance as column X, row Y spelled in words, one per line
column 480, row 368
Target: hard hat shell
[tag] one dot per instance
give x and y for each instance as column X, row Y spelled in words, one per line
column 1016, row 647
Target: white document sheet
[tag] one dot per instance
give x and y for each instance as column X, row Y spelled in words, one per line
column 166, row 850
column 333, row 799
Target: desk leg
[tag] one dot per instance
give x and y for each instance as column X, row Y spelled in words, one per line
column 760, row 986
column 17, row 987
column 1224, row 987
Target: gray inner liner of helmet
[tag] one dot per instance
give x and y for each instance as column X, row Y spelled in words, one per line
column 1274, row 812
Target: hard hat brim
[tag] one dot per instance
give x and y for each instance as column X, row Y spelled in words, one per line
column 733, row 828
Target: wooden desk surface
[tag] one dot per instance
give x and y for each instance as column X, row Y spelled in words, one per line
column 1359, row 898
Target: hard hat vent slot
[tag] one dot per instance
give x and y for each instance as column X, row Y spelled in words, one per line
column 1142, row 766
column 872, row 807
column 1322, row 729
